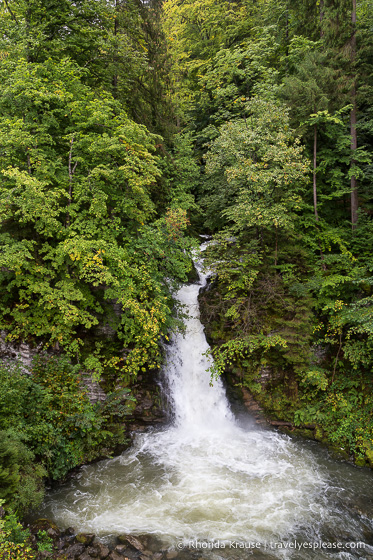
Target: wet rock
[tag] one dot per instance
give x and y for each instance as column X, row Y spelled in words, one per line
column 157, row 556
column 115, row 556
column 253, row 406
column 53, row 533
column 44, row 554
column 193, row 276
column 74, row 551
column 121, row 549
column 152, row 543
column 369, row 452
column 361, row 462
column 69, row 532
column 103, row 551
column 85, row 556
column 336, row 452
column 171, row 554
column 93, row 551
column 85, row 538
column 132, row 541
column 61, row 544
column 131, row 553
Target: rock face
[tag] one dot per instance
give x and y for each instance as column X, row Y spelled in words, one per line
column 17, row 352
column 94, row 391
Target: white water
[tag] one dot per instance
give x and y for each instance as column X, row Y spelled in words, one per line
column 207, row 477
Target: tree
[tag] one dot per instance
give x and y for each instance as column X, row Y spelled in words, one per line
column 259, row 168
column 308, row 90
column 354, row 189
column 76, row 194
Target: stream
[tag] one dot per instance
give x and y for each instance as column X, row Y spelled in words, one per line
column 216, row 485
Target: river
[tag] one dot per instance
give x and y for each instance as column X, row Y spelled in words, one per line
column 217, row 484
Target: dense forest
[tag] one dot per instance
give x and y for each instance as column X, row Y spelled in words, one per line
column 128, row 128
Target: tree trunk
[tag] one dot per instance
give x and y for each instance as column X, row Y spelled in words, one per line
column 28, row 30
column 354, row 191
column 314, row 172
column 115, row 75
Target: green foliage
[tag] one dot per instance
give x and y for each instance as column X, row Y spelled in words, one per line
column 20, row 477
column 14, row 530
column 51, row 427
column 257, row 161
column 181, row 173
column 13, row 539
column 81, row 177
column 45, row 543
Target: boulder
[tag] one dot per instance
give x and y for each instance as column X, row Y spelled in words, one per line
column 74, row 551
column 85, row 538
column 130, row 540
column 85, row 556
column 103, row 551
column 94, row 551
column 121, row 549
column 152, row 543
column 115, row 556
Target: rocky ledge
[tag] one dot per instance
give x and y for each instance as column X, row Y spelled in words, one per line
column 70, row 545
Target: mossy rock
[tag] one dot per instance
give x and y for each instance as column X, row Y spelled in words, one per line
column 361, row 462
column 43, row 524
column 304, row 432
column 318, row 433
column 339, row 452
column 85, row 538
column 369, row 452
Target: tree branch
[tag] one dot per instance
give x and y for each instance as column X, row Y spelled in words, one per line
column 11, row 13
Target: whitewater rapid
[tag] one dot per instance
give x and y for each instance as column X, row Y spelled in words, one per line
column 207, row 477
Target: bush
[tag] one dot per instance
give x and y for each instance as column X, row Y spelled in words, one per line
column 13, row 539
column 20, row 477
column 48, row 426
column 45, row 542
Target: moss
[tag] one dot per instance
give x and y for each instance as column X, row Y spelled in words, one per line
column 319, row 434
column 361, row 462
column 85, row 538
column 369, row 452
column 338, row 452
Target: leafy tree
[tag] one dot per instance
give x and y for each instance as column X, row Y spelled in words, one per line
column 42, row 29
column 78, row 182
column 259, row 169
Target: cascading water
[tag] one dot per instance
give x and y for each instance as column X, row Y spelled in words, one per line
column 208, row 479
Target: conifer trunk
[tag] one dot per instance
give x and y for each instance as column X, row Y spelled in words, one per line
column 354, row 190
column 115, row 75
column 314, row 172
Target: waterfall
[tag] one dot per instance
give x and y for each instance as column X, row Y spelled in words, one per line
column 197, row 404
column 205, row 476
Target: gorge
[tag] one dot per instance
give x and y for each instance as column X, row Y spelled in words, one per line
column 210, row 479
